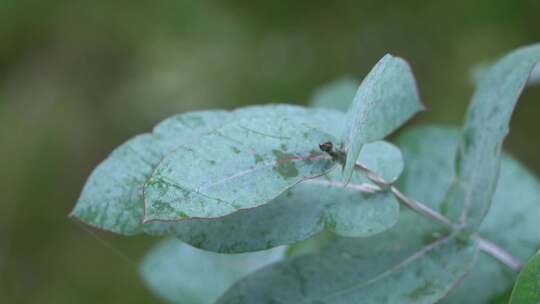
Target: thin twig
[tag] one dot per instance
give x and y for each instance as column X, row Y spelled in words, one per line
column 485, row 245
column 367, row 188
column 500, row 254
column 405, row 200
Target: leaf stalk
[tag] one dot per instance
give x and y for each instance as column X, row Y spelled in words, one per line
column 485, row 245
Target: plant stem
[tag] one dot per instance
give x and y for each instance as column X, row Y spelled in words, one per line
column 500, row 254
column 485, row 245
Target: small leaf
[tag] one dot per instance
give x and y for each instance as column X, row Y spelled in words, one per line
column 486, row 126
column 384, row 159
column 112, row 196
column 337, row 95
column 527, row 288
column 242, row 165
column 403, row 265
column 386, row 99
column 178, row 273
column 303, row 211
column 427, row 152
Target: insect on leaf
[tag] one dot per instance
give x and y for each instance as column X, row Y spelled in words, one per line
column 244, row 164
column 304, row 210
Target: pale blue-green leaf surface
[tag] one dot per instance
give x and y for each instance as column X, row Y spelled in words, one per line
column 337, row 95
column 112, row 201
column 385, row 100
column 178, row 273
column 406, row 264
column 383, row 158
column 485, row 128
column 304, row 210
column 527, row 288
column 112, row 196
column 414, row 262
column 511, row 222
column 242, row 165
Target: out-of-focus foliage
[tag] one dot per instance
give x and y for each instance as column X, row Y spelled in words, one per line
column 77, row 78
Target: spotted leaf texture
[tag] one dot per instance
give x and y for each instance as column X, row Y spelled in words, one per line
column 305, row 210
column 485, row 128
column 241, row 165
column 385, row 100
column 112, row 197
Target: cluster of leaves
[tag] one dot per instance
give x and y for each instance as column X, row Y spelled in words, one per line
column 321, row 181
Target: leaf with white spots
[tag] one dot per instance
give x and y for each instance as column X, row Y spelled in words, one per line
column 112, row 196
column 304, row 210
column 242, row 165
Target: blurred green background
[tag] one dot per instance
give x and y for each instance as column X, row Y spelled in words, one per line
column 77, row 78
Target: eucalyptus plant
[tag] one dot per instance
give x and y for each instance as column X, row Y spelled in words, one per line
column 290, row 204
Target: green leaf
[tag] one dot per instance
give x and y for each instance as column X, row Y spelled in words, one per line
column 527, row 288
column 486, row 126
column 178, row 273
column 403, row 265
column 382, row 158
column 386, row 99
column 112, row 196
column 304, row 210
column 337, row 95
column 242, row 165
column 512, row 223
column 427, row 152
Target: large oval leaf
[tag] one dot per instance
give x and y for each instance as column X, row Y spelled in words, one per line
column 404, row 265
column 485, row 128
column 112, row 196
column 304, row 210
column 178, row 273
column 386, row 99
column 242, row 165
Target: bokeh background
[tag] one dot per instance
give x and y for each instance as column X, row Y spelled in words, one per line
column 77, row 78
